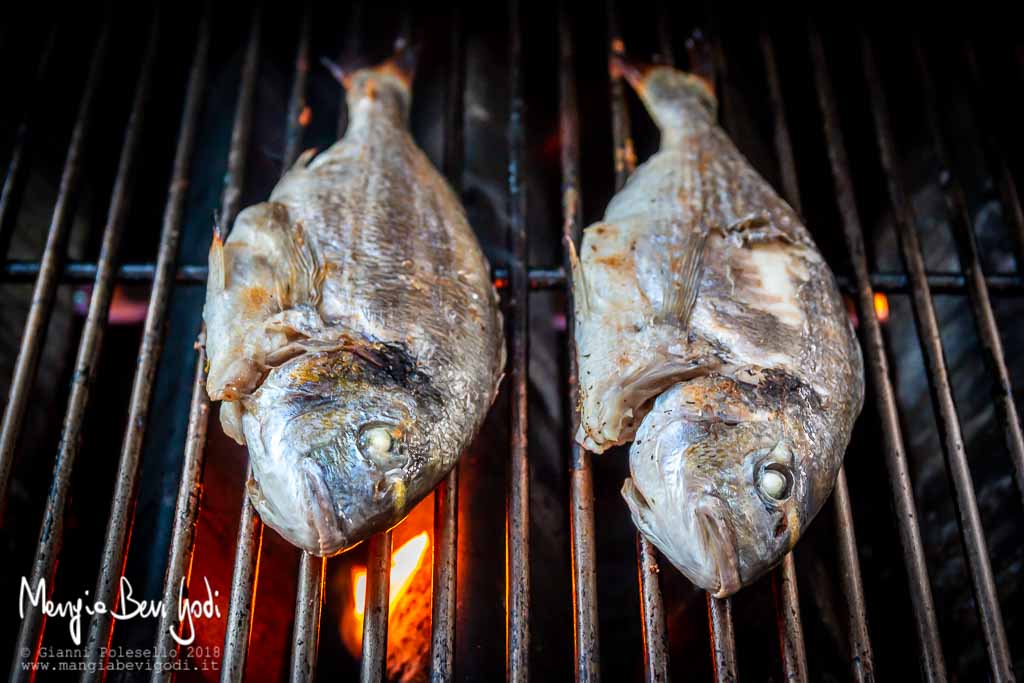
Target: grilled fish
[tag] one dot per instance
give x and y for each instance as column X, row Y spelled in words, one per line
column 711, row 333
column 353, row 332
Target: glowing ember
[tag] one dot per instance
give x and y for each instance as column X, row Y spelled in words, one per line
column 404, row 563
column 881, row 307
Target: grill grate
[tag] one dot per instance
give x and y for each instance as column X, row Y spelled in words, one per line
column 516, row 281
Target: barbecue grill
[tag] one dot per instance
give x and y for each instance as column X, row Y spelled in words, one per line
column 146, row 107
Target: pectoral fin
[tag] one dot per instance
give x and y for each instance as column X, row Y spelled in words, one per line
column 218, row 267
column 669, row 261
column 268, row 265
column 579, row 283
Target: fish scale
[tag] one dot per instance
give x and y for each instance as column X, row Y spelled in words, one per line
column 710, row 332
column 353, row 332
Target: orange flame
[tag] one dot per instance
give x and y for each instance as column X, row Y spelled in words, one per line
column 881, row 307
column 404, row 563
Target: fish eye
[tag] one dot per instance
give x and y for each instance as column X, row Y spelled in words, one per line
column 376, row 441
column 775, row 481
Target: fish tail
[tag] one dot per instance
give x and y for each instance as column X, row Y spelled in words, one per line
column 399, row 69
column 670, row 95
column 402, row 64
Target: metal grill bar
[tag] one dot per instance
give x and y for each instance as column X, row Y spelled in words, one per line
column 518, row 517
column 517, row 280
column 861, row 657
column 444, row 578
column 179, row 557
column 190, row 487
column 186, row 515
column 784, row 583
column 932, row 663
column 248, row 547
column 13, row 181
column 375, row 613
column 308, row 604
column 791, row 633
column 972, row 532
column 294, row 127
column 721, row 632
column 312, row 569
column 652, row 611
column 118, row 533
column 446, row 497
column 994, row 153
column 984, row 317
column 82, row 272
column 378, row 565
column 723, row 639
column 581, row 484
column 250, row 528
column 51, row 534
column 49, row 268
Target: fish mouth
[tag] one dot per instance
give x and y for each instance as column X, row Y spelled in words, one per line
column 323, row 517
column 720, row 543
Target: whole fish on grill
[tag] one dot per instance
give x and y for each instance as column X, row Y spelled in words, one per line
column 711, row 333
column 353, row 332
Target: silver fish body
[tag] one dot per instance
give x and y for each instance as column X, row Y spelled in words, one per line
column 353, row 332
column 711, row 333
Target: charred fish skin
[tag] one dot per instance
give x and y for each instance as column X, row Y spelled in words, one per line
column 711, row 333
column 353, row 333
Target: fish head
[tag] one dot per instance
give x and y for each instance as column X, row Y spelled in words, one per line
column 341, row 445
column 723, row 495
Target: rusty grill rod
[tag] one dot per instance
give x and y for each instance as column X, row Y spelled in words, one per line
column 13, row 181
column 82, row 272
column 723, row 639
column 933, row 665
column 54, row 252
column 309, row 600
column 115, row 547
column 186, row 515
column 312, row 569
column 963, row 227
column 375, row 611
column 652, row 610
column 444, row 574
column 190, row 487
column 971, row 531
column 249, row 543
column 44, row 567
column 714, row 67
column 310, row 595
column 784, row 582
column 179, row 555
column 376, row 604
column 294, row 127
column 517, row 580
column 793, row 649
column 581, row 484
column 994, row 152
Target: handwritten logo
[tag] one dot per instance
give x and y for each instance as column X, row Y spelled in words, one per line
column 127, row 607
